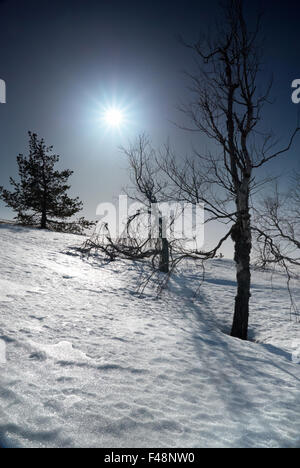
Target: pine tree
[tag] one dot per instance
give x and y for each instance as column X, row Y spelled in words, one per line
column 40, row 197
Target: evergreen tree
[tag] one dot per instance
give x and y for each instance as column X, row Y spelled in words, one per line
column 40, row 197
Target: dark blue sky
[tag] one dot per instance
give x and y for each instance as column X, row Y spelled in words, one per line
column 63, row 60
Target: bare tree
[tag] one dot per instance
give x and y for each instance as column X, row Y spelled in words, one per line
column 277, row 235
column 148, row 189
column 227, row 109
column 278, row 227
column 140, row 238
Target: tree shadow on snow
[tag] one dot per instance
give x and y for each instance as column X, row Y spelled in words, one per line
column 252, row 385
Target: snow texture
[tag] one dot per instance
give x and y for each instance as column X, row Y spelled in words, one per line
column 89, row 363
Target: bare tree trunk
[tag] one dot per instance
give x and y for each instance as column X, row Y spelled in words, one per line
column 164, row 256
column 164, row 252
column 241, row 310
column 241, row 235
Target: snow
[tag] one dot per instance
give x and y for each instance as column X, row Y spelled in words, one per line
column 90, row 363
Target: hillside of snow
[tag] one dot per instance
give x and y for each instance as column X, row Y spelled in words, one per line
column 90, row 363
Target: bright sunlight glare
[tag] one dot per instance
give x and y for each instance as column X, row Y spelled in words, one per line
column 113, row 117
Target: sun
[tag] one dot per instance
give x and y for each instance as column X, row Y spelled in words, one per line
column 113, row 117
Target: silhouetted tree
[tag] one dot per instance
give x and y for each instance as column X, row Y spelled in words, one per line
column 148, row 189
column 144, row 234
column 40, row 197
column 227, row 109
column 278, row 227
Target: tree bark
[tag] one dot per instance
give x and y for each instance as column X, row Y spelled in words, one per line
column 164, row 256
column 164, row 249
column 241, row 235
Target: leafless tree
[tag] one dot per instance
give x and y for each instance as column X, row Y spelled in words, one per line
column 277, row 235
column 148, row 188
column 138, row 241
column 227, row 108
column 278, row 227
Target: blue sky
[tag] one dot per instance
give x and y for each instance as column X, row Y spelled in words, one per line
column 63, row 61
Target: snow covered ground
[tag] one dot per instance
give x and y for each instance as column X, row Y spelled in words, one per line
column 91, row 364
